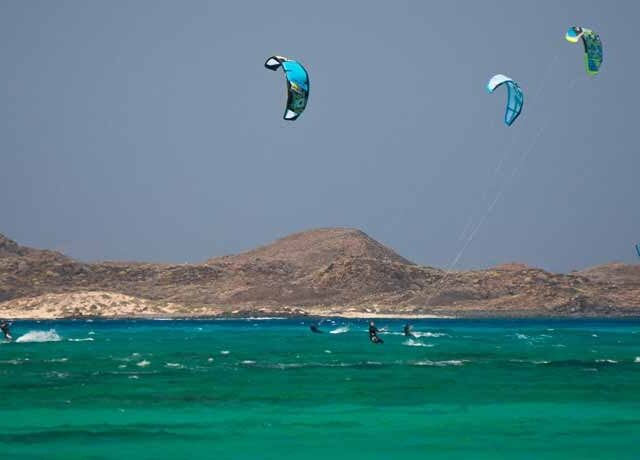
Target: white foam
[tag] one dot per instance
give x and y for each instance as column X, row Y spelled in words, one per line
column 340, row 330
column 637, row 360
column 58, row 360
column 173, row 365
column 521, row 336
column 429, row 334
column 285, row 365
column 210, row 360
column 328, row 352
column 451, row 362
column 86, row 339
column 58, row 375
column 248, row 361
column 143, row 363
column 416, row 343
column 39, row 337
column 608, row 361
column 225, row 352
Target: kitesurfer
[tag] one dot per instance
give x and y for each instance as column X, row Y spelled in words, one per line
column 407, row 330
column 4, row 327
column 314, row 328
column 373, row 333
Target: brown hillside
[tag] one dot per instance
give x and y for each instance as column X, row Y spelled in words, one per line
column 615, row 273
column 324, row 271
column 317, row 248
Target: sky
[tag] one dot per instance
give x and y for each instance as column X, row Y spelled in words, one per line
column 151, row 130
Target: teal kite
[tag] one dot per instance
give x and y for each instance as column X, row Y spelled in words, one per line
column 638, row 249
column 297, row 84
column 515, row 97
column 592, row 47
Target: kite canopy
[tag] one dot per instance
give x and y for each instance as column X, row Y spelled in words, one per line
column 638, row 249
column 592, row 47
column 297, row 84
column 515, row 97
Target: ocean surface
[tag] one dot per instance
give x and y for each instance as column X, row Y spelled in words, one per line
column 270, row 389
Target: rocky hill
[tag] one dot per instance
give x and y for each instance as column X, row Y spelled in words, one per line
column 615, row 273
column 334, row 271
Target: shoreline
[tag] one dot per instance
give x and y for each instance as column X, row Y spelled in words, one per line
column 352, row 316
column 105, row 305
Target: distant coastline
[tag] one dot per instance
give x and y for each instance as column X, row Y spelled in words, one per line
column 78, row 306
column 332, row 272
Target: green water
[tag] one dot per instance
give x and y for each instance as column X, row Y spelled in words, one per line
column 271, row 390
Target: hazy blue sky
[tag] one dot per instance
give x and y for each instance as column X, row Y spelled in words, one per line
column 150, row 130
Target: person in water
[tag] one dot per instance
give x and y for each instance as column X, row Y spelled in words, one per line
column 314, row 328
column 4, row 327
column 407, row 330
column 373, row 333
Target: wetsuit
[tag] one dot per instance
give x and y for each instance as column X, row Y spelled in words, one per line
column 407, row 330
column 4, row 327
column 373, row 334
column 314, row 328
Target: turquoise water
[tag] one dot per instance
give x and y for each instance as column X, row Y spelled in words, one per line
column 270, row 389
